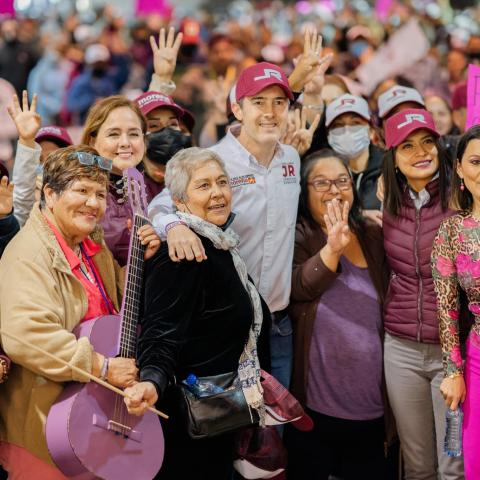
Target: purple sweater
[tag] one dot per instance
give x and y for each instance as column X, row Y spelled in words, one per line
column 345, row 376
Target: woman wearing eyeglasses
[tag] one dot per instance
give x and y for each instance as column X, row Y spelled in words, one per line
column 415, row 203
column 116, row 128
column 56, row 273
column 338, row 284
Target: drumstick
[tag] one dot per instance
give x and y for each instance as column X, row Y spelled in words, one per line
column 78, row 370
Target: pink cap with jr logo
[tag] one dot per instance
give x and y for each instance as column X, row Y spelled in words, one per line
column 399, row 126
column 254, row 79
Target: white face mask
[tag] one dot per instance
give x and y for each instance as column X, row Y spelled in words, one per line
column 349, row 141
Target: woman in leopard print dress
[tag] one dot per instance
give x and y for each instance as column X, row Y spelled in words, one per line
column 456, row 268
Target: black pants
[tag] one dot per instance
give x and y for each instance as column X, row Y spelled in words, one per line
column 206, row 459
column 349, row 449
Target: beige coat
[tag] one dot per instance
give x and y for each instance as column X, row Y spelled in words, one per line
column 42, row 301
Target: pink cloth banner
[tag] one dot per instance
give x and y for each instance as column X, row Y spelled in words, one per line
column 382, row 9
column 473, row 96
column 150, row 7
column 6, row 7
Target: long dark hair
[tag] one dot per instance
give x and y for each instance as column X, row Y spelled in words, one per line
column 355, row 218
column 463, row 199
column 396, row 183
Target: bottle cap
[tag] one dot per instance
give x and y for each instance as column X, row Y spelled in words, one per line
column 191, row 379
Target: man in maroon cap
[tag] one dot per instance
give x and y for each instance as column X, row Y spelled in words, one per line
column 264, row 175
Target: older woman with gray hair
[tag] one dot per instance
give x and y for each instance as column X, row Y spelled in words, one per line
column 201, row 318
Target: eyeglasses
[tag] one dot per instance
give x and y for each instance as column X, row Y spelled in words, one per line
column 89, row 159
column 324, row 185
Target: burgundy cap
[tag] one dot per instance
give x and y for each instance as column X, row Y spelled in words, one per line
column 459, row 97
column 259, row 76
column 149, row 101
column 399, row 126
column 55, row 134
column 260, row 452
column 281, row 406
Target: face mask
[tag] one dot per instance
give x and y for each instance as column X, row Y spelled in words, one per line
column 349, row 141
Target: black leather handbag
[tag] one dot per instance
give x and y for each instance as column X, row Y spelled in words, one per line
column 208, row 416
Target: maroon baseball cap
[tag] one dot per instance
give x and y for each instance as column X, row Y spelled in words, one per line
column 149, row 101
column 55, row 134
column 258, row 77
column 281, row 406
column 399, row 126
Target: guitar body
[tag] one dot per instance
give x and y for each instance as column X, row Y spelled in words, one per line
column 83, row 424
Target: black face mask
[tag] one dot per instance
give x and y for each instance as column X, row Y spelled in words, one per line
column 98, row 72
column 164, row 144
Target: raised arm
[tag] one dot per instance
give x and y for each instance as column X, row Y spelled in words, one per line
column 165, row 55
column 27, row 158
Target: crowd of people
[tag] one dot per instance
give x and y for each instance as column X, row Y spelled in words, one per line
column 301, row 222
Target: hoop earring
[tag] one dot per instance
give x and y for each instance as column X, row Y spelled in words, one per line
column 462, row 185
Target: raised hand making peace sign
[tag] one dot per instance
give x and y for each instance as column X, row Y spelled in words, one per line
column 297, row 134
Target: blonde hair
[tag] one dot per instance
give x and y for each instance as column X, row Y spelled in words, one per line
column 101, row 109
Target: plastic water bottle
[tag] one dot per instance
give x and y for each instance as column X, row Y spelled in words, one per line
column 453, row 434
column 201, row 389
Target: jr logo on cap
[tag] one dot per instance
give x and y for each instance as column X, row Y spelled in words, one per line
column 269, row 73
column 410, row 118
column 345, row 102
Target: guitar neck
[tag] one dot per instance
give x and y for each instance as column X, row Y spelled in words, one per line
column 133, row 289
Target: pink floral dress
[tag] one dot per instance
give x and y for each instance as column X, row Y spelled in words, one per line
column 455, row 266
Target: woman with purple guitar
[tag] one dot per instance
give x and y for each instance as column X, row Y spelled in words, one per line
column 55, row 275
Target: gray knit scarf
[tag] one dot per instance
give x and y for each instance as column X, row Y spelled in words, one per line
column 248, row 365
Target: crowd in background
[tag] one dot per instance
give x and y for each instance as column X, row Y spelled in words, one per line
column 341, row 154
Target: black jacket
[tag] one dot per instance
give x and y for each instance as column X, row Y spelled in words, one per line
column 366, row 181
column 8, row 229
column 196, row 318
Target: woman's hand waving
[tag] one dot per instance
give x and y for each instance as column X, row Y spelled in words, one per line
column 338, row 234
column 338, row 231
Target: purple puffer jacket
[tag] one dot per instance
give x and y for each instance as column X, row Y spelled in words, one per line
column 410, row 309
column 114, row 223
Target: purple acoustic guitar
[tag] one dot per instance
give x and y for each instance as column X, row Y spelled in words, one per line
column 89, row 431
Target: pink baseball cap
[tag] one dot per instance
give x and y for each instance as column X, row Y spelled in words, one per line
column 346, row 104
column 399, row 126
column 395, row 96
column 258, row 77
column 55, row 134
column 149, row 101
